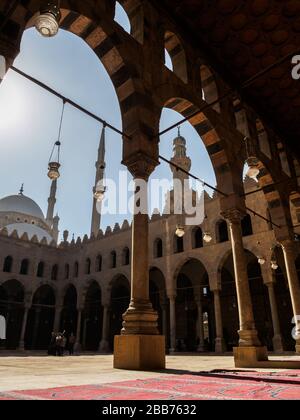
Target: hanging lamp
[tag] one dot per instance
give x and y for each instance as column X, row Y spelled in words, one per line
column 47, row 22
column 54, row 161
column 252, row 162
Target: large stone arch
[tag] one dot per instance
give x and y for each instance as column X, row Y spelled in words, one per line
column 93, row 21
column 91, row 328
column 12, row 294
column 41, row 317
column 158, row 297
column 120, row 299
column 221, row 158
column 68, row 318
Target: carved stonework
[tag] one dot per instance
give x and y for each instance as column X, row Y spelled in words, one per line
column 141, row 166
column 233, row 215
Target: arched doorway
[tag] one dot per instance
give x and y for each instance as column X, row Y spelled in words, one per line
column 40, row 319
column 92, row 318
column 120, row 299
column 158, row 298
column 68, row 322
column 259, row 297
column 194, row 329
column 12, row 308
column 260, row 302
column 229, row 304
column 284, row 303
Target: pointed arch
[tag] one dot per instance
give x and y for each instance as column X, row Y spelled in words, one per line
column 263, row 139
column 209, row 87
column 177, row 54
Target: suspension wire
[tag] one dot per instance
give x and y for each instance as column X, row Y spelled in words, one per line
column 69, row 101
column 103, row 122
column 245, row 85
column 216, row 190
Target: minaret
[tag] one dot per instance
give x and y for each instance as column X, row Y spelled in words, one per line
column 100, row 172
column 180, row 158
column 51, row 202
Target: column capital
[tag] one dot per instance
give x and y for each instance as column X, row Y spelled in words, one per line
column 233, row 215
column 288, row 245
column 171, row 296
column 141, row 165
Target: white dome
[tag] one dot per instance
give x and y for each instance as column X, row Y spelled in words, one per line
column 21, row 204
column 31, row 230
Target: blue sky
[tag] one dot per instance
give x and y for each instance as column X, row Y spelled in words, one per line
column 30, row 120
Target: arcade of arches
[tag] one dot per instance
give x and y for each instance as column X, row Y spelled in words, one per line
column 188, row 314
column 202, row 297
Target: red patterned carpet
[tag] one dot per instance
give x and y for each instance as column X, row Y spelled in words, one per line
column 225, row 385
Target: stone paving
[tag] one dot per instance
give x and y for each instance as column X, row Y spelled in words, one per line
column 19, row 372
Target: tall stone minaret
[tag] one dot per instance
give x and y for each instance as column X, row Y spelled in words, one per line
column 51, row 202
column 180, row 158
column 100, row 172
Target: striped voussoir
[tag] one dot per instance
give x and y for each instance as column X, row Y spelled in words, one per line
column 206, row 131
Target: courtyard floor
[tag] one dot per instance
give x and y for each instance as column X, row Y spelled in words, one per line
column 187, row 377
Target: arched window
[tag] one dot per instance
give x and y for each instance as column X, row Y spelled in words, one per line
column 241, row 118
column 67, row 271
column 126, row 256
column 263, row 139
column 177, row 55
column 88, row 266
column 54, row 272
column 247, row 226
column 178, row 245
column 158, row 248
column 113, row 259
column 222, row 231
column 197, row 238
column 40, row 270
column 24, row 267
column 99, row 263
column 209, row 87
column 7, row 266
column 2, row 67
column 76, row 270
column 122, row 19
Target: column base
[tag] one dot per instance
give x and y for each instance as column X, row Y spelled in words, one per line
column 277, row 344
column 220, row 345
column 140, row 320
column 249, row 357
column 104, row 347
column 139, row 352
column 249, row 338
column 297, row 348
column 201, row 348
column 21, row 346
column 77, row 347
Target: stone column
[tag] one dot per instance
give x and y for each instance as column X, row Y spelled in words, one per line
column 77, row 346
column 36, row 326
column 172, row 299
column 104, row 344
column 277, row 339
column 140, row 318
column 247, row 333
column 57, row 317
column 140, row 346
column 201, row 346
column 288, row 247
column 23, row 330
column 220, row 345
